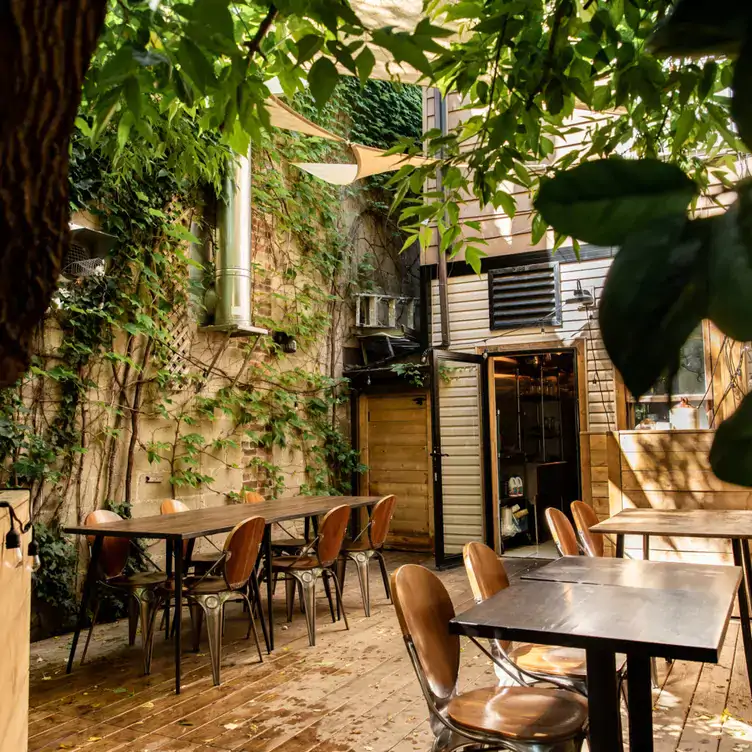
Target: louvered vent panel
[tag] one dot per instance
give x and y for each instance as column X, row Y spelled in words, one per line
column 525, row 296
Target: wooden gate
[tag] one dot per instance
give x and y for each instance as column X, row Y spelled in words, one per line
column 395, row 444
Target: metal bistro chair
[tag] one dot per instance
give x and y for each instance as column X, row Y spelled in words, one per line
column 367, row 545
column 316, row 560
column 584, row 518
column 227, row 580
column 562, row 532
column 523, row 719
column 140, row 587
column 526, row 663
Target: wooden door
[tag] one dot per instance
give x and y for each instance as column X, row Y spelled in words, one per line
column 395, row 444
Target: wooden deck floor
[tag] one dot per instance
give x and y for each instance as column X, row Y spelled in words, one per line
column 354, row 691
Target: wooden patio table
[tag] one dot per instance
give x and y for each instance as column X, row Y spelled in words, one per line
column 686, row 621
column 729, row 524
column 174, row 529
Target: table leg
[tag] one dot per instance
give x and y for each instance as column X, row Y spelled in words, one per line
column 269, row 585
column 91, row 576
column 736, row 545
column 168, row 573
column 646, row 547
column 640, row 703
column 178, row 553
column 603, row 701
column 620, row 546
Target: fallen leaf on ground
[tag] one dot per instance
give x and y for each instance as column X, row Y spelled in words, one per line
column 231, row 726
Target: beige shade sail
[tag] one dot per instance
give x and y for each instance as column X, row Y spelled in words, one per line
column 368, row 161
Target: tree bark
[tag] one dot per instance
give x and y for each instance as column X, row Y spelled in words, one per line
column 45, row 50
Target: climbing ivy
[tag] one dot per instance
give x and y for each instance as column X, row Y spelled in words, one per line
column 104, row 364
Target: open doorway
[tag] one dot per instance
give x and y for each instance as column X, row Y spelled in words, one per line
column 537, row 442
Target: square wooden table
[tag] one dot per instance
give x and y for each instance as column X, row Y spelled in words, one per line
column 606, row 619
column 177, row 528
column 729, row 524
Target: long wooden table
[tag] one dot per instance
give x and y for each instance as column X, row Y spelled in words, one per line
column 729, row 524
column 174, row 529
column 687, row 620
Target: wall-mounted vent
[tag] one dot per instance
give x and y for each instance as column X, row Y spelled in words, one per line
column 525, row 296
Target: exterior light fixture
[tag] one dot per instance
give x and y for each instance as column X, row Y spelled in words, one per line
column 582, row 298
column 286, row 342
column 13, row 557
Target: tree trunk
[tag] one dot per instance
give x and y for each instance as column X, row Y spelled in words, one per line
column 45, row 49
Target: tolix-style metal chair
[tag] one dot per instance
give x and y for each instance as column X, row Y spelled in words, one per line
column 562, row 532
column 524, row 664
column 316, row 561
column 368, row 545
column 228, row 579
column 584, row 518
column 523, row 719
column 140, row 587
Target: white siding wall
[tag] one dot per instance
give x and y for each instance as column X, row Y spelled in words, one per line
column 469, row 329
column 462, row 477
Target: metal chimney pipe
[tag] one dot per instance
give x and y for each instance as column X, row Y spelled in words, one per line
column 233, row 260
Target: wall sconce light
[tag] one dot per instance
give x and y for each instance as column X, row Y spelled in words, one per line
column 583, row 298
column 13, row 556
column 285, row 341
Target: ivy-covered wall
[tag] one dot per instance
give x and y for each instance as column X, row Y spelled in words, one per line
column 128, row 401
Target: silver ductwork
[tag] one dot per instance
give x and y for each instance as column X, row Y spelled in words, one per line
column 231, row 296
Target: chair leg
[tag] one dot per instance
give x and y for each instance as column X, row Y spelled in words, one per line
column 197, row 619
column 290, row 588
column 91, row 629
column 308, row 586
column 361, row 567
column 252, row 627
column 328, row 591
column 339, row 597
column 340, row 573
column 384, row 575
column 256, row 590
column 147, row 605
column 213, row 609
column 132, row 621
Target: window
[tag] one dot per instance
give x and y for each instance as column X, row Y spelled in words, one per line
column 525, row 296
column 687, row 403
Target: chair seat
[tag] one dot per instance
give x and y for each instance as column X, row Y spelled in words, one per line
column 138, row 579
column 289, row 544
column 550, row 659
column 206, row 586
column 294, row 562
column 362, row 544
column 543, row 716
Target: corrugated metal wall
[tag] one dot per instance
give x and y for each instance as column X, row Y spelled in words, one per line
column 469, row 329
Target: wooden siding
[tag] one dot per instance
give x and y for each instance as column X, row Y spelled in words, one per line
column 462, row 474
column 395, row 444
column 668, row 470
column 469, row 329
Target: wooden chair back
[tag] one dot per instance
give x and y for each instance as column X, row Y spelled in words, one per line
column 252, row 497
column 331, row 534
column 562, row 532
column 114, row 554
column 172, row 506
column 175, row 506
column 242, row 549
column 424, row 610
column 484, row 570
column 584, row 518
column 381, row 518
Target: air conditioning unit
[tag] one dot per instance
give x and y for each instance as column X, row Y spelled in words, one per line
column 87, row 252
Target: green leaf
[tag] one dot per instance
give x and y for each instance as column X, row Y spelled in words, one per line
column 195, row 65
column 308, row 46
column 117, row 67
column 364, row 64
column 741, row 104
column 322, row 79
column 506, row 202
column 730, row 275
column 132, row 96
column 731, row 453
column 603, row 201
column 404, row 49
column 684, row 124
column 538, row 229
column 653, row 299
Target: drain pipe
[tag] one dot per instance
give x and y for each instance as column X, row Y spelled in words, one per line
column 441, row 114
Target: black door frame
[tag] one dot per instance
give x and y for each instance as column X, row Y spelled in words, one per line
column 444, row 561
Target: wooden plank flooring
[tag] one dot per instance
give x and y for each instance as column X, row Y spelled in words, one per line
column 355, row 691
